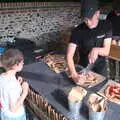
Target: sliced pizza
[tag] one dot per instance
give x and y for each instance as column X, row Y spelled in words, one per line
column 112, row 92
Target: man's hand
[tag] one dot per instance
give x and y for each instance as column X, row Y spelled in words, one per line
column 75, row 76
column 93, row 55
column 78, row 78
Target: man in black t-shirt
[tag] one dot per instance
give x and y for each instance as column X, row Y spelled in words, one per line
column 93, row 39
column 114, row 17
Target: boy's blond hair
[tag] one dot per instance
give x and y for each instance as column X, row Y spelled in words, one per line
column 10, row 58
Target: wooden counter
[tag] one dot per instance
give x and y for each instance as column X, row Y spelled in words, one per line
column 114, row 52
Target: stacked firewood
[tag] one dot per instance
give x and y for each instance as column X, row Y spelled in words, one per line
column 56, row 62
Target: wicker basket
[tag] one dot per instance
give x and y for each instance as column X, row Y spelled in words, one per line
column 42, row 109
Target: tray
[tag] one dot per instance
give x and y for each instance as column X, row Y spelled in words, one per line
column 99, row 78
column 102, row 91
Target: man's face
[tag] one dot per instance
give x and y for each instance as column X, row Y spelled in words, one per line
column 93, row 21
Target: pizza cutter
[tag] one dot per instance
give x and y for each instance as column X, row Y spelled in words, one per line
column 87, row 69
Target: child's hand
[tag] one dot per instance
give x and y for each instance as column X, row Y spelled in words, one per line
column 25, row 88
column 20, row 79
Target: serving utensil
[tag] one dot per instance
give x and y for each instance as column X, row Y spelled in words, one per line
column 87, row 69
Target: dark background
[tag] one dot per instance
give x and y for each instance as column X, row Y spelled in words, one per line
column 104, row 1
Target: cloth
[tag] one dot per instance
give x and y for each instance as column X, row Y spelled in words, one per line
column 4, row 117
column 86, row 39
column 54, row 87
column 88, row 8
column 115, row 20
column 10, row 91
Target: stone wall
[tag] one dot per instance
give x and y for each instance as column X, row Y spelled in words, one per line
column 45, row 23
column 39, row 24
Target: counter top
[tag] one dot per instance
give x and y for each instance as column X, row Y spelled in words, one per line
column 52, row 87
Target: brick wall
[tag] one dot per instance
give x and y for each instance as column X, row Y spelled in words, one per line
column 39, row 22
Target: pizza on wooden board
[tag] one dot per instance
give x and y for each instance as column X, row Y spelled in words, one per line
column 89, row 79
column 112, row 92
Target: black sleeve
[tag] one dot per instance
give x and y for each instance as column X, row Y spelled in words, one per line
column 74, row 37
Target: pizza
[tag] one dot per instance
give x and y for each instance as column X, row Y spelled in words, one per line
column 112, row 92
column 90, row 78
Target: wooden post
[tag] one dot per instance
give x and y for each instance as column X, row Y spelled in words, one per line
column 115, row 55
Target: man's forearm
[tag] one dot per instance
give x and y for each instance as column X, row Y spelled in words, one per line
column 70, row 62
column 103, row 51
column 71, row 65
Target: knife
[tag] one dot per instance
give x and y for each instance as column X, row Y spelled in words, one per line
column 87, row 69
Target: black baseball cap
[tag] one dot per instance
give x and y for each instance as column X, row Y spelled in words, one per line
column 88, row 8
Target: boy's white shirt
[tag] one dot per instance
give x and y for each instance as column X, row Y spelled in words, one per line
column 10, row 91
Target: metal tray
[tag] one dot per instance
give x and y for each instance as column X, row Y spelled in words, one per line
column 99, row 77
column 102, row 91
